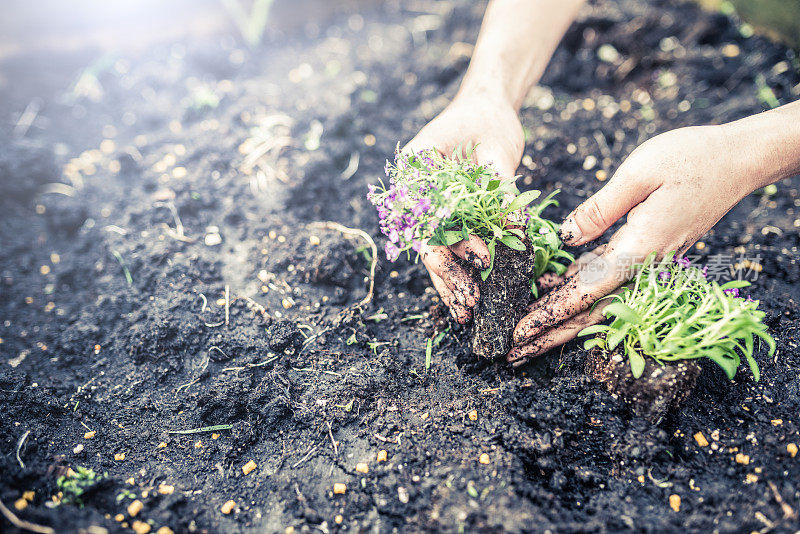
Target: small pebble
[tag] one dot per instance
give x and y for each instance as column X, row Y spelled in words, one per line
column 78, row 448
column 791, row 448
column 362, row 467
column 212, row 240
column 742, row 459
column 484, row 459
column 166, row 489
column 382, row 456
column 20, row 504
column 165, row 530
column 338, row 519
column 473, row 415
column 248, row 467
column 675, row 502
column 228, row 507
column 402, row 494
column 589, row 163
column 339, row 488
column 119, row 456
column 90, row 434
column 119, row 518
column 701, row 439
column 162, row 445
column 751, row 478
column 135, row 507
column 28, row 495
column 314, row 240
column 601, row 175
column 140, row 527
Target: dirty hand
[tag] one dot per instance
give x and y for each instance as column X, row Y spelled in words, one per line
column 673, row 188
column 492, row 126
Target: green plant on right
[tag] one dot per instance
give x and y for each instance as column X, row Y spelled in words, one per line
column 73, row 487
column 670, row 311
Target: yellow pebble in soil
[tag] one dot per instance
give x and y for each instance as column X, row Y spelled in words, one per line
column 339, row 488
column 314, row 240
column 601, row 175
column 742, row 459
column 198, row 445
column 135, row 507
column 484, row 459
column 473, row 415
column 731, row 50
column 248, row 467
column 288, row 530
column 140, row 527
column 701, row 439
column 166, row 489
column 162, row 445
column 119, row 456
column 119, row 518
column 362, row 467
column 28, row 495
column 791, row 448
column 751, row 478
column 338, row 519
column 20, row 504
column 165, row 530
column 369, row 140
column 44, row 269
column 675, row 502
column 179, row 172
column 700, row 245
column 640, row 478
column 393, row 274
column 382, row 455
column 130, row 482
column 228, row 507
column 215, row 436
column 777, row 422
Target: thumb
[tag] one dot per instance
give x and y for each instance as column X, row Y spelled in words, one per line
column 594, row 216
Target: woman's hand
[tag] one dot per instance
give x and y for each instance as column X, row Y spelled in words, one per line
column 492, row 126
column 673, row 188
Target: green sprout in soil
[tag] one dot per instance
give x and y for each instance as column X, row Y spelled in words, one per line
column 441, row 201
column 73, row 487
column 670, row 311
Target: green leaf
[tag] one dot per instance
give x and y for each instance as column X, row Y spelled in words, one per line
column 637, row 363
column 616, row 336
column 428, row 353
column 517, row 232
column 735, row 284
column 492, row 185
column 622, row 311
column 523, row 200
column 485, row 273
column 496, row 230
column 436, row 241
column 534, row 289
column 727, row 363
column 594, row 329
column 451, row 238
column 593, row 342
column 512, row 242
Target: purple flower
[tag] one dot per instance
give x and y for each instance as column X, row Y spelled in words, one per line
column 664, row 277
column 683, row 262
column 705, row 271
column 422, row 207
column 732, row 291
column 392, row 252
column 394, row 235
column 416, row 246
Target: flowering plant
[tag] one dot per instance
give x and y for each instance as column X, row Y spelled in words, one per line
column 670, row 311
column 441, row 201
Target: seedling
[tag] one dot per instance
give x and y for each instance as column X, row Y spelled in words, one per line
column 73, row 487
column 671, row 311
column 441, row 201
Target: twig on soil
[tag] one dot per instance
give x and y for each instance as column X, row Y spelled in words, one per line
column 227, row 305
column 250, row 365
column 213, row 428
column 184, row 386
column 20, row 443
column 330, row 225
column 788, row 511
column 333, row 441
column 352, row 166
column 21, row 523
column 214, row 347
column 304, row 458
column 205, row 303
column 122, row 264
column 178, row 233
column 309, row 339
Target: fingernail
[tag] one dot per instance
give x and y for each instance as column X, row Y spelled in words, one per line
column 460, row 298
column 478, row 263
column 569, row 231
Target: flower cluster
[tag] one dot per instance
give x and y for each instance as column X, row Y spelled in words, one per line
column 671, row 311
column 441, row 201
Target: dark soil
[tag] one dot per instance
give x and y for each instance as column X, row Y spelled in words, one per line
column 505, row 295
column 308, row 397
column 659, row 390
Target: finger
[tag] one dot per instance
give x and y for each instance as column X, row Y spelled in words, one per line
column 473, row 250
column 595, row 279
column 583, row 260
column 594, row 216
column 554, row 337
column 460, row 313
column 441, row 261
column 496, row 157
column 548, row 281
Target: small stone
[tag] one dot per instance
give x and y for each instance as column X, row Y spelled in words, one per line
column 601, row 175
column 166, row 489
column 179, row 172
column 791, row 448
column 140, row 527
column 369, row 140
column 742, row 459
column 119, row 518
column 20, row 504
column 589, row 163
column 44, row 269
column 731, row 50
column 130, row 482
column 607, row 53
column 484, row 459
column 338, row 519
column 28, row 495
column 78, row 448
column 777, row 422
column 751, row 478
column 700, row 245
column 675, row 502
column 90, row 434
column 382, row 455
column 162, row 445
column 473, row 415
column 212, row 240
column 288, row 530
column 314, row 240
column 362, row 467
column 135, row 507
column 228, row 507
column 640, row 478
column 402, row 494
column 215, row 436
column 393, row 274
column 286, row 303
column 165, row 530
column 120, row 456
column 701, row 439
column 248, row 467
column 339, row 488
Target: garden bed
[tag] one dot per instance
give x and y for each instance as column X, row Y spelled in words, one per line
column 180, row 280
